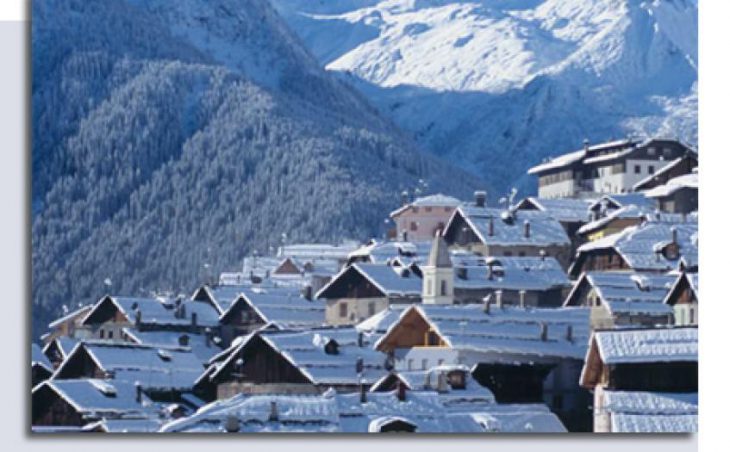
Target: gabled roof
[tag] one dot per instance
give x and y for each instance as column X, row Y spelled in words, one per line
column 305, row 351
column 640, row 246
column 437, row 200
column 221, row 296
column 154, row 311
column 508, row 227
column 502, row 332
column 391, row 281
column 383, row 252
column 153, row 367
column 615, row 201
column 651, row 412
column 646, row 345
column 516, row 273
column 283, row 308
column 630, row 212
column 63, row 344
column 201, row 347
column 625, row 292
column 316, row 251
column 97, row 398
column 686, row 181
column 562, row 209
column 78, row 313
column 692, row 281
column 651, row 180
column 344, row 413
column 38, row 358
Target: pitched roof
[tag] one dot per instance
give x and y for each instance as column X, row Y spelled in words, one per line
column 152, row 366
column 346, row 414
column 503, row 333
column 626, row 292
column 688, row 181
column 96, row 398
column 284, row 308
column 155, row 311
column 437, row 200
column 38, row 358
column 640, row 246
column 202, row 348
column 516, row 273
column 391, row 281
column 508, row 227
column 80, row 312
column 651, row 412
column 618, row 200
column 562, row 209
column 646, row 345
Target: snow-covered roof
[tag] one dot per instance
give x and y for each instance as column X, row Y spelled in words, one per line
column 316, row 251
column 63, row 344
column 630, row 212
column 156, row 311
column 96, row 398
column 562, row 209
column 588, row 154
column 201, row 347
column 618, row 200
column 38, row 358
column 651, row 412
column 508, row 228
column 383, row 252
column 503, row 333
column 392, row 281
column 152, row 366
column 437, row 200
column 146, row 425
column 647, row 345
column 673, row 185
column 283, row 307
column 626, row 292
column 558, row 162
column 78, row 313
column 306, row 351
column 345, row 413
column 640, row 245
column 516, row 273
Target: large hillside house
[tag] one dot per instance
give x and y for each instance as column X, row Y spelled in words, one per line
column 643, row 380
column 420, row 219
column 509, row 232
column 362, row 290
column 613, row 167
column 523, row 355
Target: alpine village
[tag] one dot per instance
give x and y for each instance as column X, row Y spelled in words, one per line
column 575, row 310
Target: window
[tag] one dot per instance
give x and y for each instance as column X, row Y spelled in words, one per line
column 447, row 209
column 443, row 288
column 637, row 169
column 432, row 338
column 110, row 335
column 343, row 309
column 521, row 254
column 691, row 316
column 441, row 362
column 410, row 364
column 508, row 253
column 414, row 226
column 415, row 209
column 101, row 334
column 667, row 152
column 651, row 169
column 428, row 209
column 424, row 364
column 651, row 151
column 371, row 309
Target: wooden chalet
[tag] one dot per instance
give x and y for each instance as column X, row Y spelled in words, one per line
column 362, row 290
column 648, row 364
column 683, row 298
column 70, row 325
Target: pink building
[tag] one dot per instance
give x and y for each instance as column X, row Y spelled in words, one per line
column 420, row 219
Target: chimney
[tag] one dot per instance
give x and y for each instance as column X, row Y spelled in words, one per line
column 487, row 303
column 569, row 333
column 194, row 319
column 359, row 365
column 404, row 236
column 480, row 198
column 274, row 413
column 522, row 298
column 137, row 318
column 182, row 312
column 498, row 293
column 183, row 340
column 360, row 339
column 542, row 255
column 527, row 229
column 363, row 393
column 207, row 337
column 490, row 272
column 404, row 197
column 232, row 425
column 138, row 392
column 586, row 144
column 401, row 393
column 674, row 234
column 307, row 292
column 490, row 227
column 543, row 331
column 443, row 385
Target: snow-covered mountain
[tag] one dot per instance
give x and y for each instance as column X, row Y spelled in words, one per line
column 170, row 139
column 497, row 85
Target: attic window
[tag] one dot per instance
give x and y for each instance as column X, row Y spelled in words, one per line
column 671, row 251
column 457, row 379
column 332, row 347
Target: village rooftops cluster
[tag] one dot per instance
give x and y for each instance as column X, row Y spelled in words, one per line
column 466, row 317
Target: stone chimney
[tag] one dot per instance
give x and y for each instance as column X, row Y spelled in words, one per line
column 543, row 331
column 363, row 393
column 361, row 339
column 490, row 226
column 359, row 365
column 527, row 229
column 194, row 319
column 442, row 385
column 674, row 235
column 232, row 424
column 480, row 198
column 137, row 318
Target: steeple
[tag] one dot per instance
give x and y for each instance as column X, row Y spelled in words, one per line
column 439, row 256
